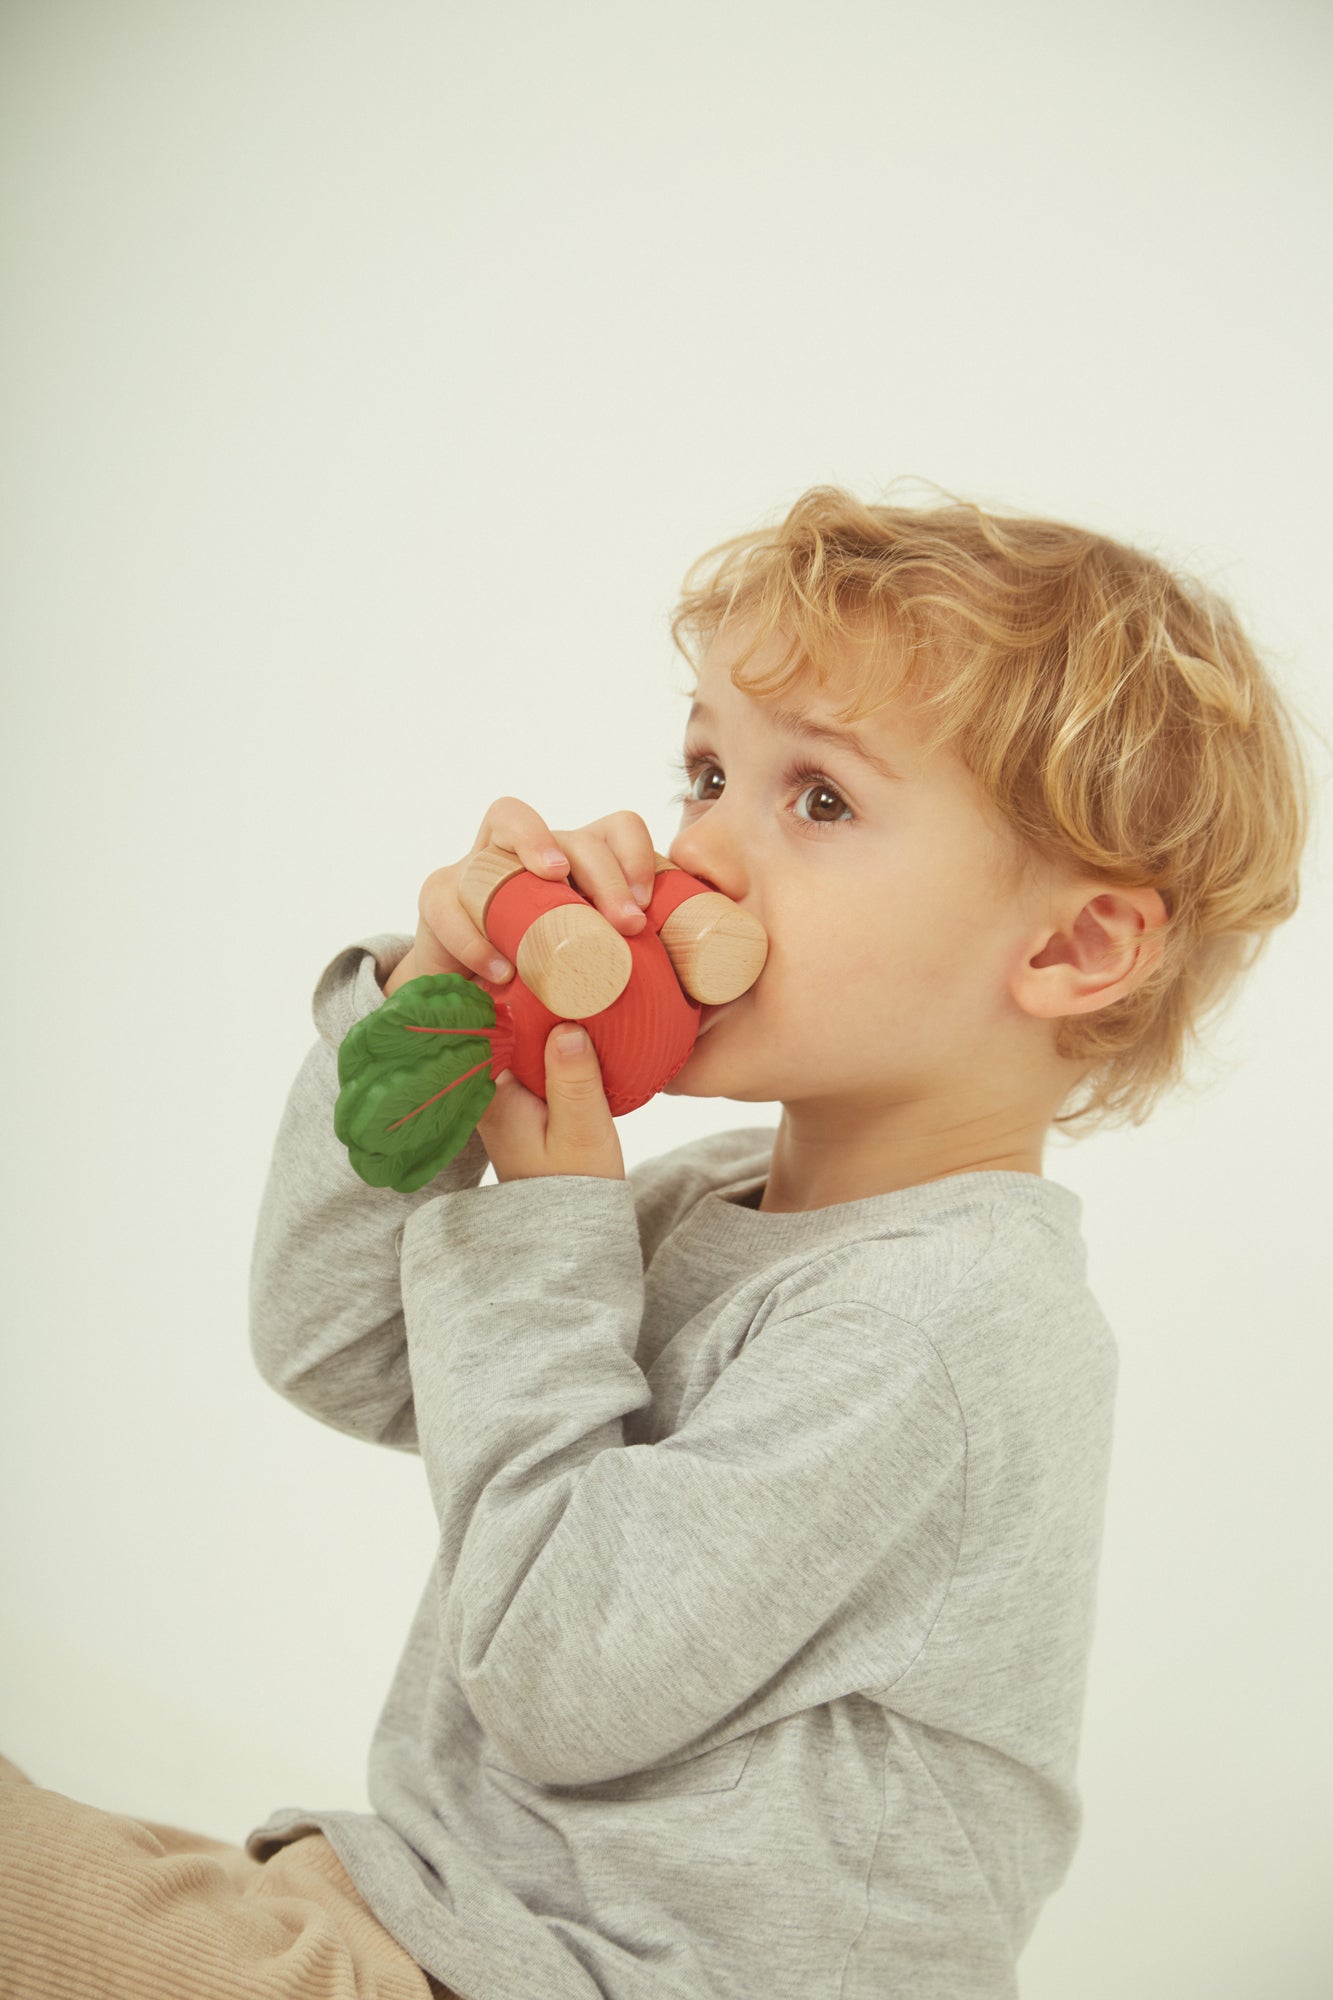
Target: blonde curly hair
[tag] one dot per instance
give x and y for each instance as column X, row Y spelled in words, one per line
column 1115, row 715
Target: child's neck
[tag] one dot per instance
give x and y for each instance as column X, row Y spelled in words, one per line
column 821, row 1159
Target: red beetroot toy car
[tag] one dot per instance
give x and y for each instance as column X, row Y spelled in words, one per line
column 418, row 1073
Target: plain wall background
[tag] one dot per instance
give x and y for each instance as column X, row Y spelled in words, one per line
column 371, row 374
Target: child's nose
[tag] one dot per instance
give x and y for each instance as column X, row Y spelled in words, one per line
column 705, row 853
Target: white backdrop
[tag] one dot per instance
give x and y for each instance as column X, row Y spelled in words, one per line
column 371, row 374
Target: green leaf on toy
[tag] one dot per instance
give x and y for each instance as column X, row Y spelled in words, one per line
column 416, row 1076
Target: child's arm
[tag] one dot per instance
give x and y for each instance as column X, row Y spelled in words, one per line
column 608, row 1604
column 326, row 1317
column 326, row 1320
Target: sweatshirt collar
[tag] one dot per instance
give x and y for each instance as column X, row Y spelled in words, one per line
column 722, row 1217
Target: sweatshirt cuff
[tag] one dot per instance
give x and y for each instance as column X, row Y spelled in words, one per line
column 570, row 1232
column 352, row 983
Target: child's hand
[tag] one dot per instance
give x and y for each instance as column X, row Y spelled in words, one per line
column 573, row 1132
column 604, row 861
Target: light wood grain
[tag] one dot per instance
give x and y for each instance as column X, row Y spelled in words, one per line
column 485, row 873
column 574, row 961
column 716, row 948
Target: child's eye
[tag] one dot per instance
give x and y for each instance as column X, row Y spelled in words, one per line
column 825, row 807
column 703, row 781
column 817, row 803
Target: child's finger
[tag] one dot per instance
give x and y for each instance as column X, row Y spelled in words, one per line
column 628, row 836
column 599, row 875
column 513, row 824
column 461, row 946
column 580, row 1137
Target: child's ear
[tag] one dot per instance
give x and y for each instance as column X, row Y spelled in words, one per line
column 1099, row 942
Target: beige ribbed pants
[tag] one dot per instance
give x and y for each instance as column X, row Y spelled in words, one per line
column 96, row 1906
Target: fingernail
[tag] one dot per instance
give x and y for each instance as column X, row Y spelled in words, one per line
column 553, row 858
column 499, row 968
column 643, row 895
column 570, row 1041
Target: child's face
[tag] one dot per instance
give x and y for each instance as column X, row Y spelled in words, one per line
column 893, row 912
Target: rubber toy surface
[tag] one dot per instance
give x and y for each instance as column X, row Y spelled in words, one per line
column 417, row 1074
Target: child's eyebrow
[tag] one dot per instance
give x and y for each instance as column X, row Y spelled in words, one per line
column 797, row 724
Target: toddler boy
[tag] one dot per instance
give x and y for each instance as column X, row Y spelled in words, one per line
column 770, row 1476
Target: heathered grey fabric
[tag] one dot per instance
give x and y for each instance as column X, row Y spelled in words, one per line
column 751, row 1664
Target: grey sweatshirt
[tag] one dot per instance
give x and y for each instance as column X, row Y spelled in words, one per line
column 751, row 1662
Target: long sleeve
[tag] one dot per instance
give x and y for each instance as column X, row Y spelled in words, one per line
column 326, row 1318
column 605, row 1605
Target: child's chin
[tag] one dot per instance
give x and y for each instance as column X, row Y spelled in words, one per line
column 697, row 1078
column 682, row 1083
